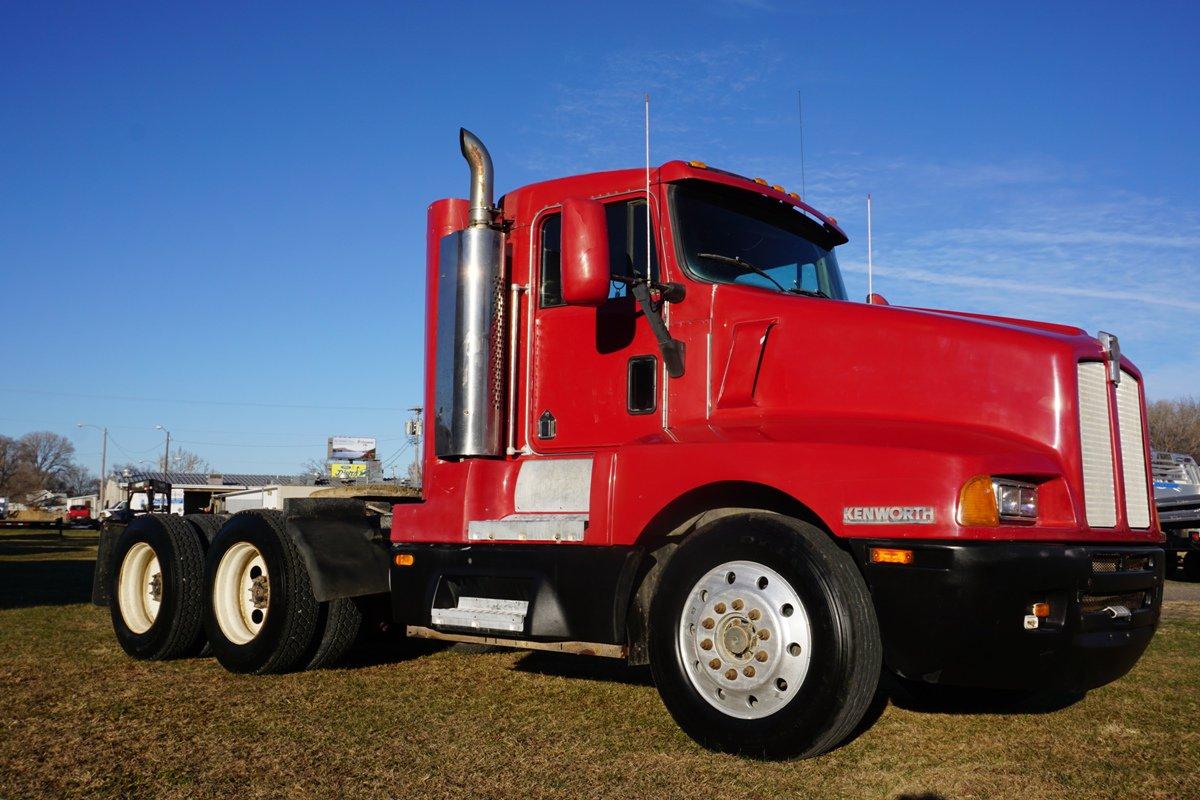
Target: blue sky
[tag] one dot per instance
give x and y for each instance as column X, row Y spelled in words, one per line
column 212, row 216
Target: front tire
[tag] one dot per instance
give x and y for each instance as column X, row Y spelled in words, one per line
column 763, row 638
column 156, row 590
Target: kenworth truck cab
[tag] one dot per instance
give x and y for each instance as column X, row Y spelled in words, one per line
column 657, row 429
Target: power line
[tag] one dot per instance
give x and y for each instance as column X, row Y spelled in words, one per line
column 192, row 401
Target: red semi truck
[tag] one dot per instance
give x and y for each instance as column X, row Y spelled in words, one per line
column 658, row 430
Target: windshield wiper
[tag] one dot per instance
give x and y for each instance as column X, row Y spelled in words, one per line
column 746, row 265
column 809, row 292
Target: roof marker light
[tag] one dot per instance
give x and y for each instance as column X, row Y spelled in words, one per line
column 761, row 181
column 698, row 164
column 777, row 187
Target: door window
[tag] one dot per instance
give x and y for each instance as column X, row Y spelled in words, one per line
column 627, row 244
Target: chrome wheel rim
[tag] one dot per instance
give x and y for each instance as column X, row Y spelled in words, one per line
column 139, row 587
column 241, row 593
column 745, row 639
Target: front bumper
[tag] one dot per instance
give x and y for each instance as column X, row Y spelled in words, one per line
column 957, row 614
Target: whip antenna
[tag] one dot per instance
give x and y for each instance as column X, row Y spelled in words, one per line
column 870, row 265
column 648, row 276
column 800, row 108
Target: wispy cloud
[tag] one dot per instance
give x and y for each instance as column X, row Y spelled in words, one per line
column 1022, row 235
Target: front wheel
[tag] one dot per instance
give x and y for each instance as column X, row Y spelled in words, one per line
column 763, row 638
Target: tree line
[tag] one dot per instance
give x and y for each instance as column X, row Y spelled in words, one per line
column 46, row 460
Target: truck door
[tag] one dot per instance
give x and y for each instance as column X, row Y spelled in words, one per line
column 596, row 372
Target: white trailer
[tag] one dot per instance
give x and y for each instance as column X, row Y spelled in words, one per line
column 264, row 497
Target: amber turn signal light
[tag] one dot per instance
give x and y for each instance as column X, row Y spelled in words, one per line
column 890, row 555
column 403, row 559
column 977, row 503
column 1041, row 610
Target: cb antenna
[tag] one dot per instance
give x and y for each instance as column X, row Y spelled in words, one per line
column 870, row 264
column 648, row 276
column 800, row 107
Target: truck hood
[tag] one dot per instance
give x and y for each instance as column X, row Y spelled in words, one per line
column 779, row 358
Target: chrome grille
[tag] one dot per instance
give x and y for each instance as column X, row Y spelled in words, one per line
column 1099, row 493
column 1133, row 452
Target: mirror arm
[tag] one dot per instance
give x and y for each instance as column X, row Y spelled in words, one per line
column 671, row 349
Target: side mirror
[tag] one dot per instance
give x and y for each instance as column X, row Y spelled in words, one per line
column 876, row 299
column 584, row 260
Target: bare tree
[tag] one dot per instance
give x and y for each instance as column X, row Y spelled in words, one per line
column 187, row 461
column 16, row 479
column 74, row 481
column 1175, row 425
column 47, row 454
column 315, row 466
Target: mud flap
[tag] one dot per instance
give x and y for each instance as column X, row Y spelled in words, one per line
column 342, row 545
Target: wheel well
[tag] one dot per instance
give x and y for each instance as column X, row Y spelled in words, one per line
column 712, row 501
column 691, row 510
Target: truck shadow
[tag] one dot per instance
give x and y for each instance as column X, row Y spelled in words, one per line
column 589, row 668
column 930, row 700
column 45, row 583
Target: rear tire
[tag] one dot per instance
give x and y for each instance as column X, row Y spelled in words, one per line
column 339, row 628
column 259, row 613
column 799, row 691
column 156, row 588
column 207, row 525
column 1171, row 564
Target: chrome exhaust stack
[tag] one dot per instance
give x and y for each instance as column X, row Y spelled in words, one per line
column 469, row 389
column 480, row 161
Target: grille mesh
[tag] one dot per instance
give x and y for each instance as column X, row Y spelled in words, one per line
column 1091, row 603
column 1133, row 452
column 1105, row 563
column 1099, row 494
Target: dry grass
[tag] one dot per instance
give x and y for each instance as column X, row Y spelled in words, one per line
column 79, row 718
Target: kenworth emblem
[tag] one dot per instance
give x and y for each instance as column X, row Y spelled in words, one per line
column 887, row 515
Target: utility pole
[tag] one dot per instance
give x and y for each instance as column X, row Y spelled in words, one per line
column 103, row 459
column 167, row 449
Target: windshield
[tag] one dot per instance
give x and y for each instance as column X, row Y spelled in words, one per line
column 718, row 226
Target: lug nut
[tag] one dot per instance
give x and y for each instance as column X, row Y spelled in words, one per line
column 737, row 604
column 748, row 671
column 760, row 656
column 719, row 608
column 731, row 674
column 764, row 634
column 715, row 663
column 708, row 623
column 754, row 614
column 706, row 644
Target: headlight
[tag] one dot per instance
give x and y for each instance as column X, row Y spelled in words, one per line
column 1016, row 500
column 985, row 501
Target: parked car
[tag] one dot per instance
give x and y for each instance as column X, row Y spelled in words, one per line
column 80, row 516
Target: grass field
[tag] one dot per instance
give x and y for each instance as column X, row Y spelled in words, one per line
column 78, row 718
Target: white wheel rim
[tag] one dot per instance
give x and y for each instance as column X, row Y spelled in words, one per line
column 745, row 639
column 241, row 593
column 139, row 587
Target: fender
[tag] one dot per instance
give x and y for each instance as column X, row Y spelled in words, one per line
column 342, row 544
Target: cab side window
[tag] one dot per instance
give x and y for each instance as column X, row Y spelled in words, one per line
column 550, row 283
column 627, row 244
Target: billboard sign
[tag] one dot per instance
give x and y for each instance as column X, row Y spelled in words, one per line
column 352, row 448
column 337, row 470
